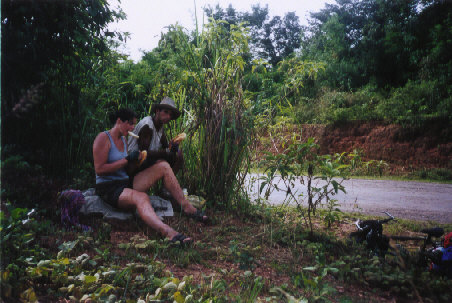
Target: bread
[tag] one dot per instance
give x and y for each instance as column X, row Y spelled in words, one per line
column 179, row 138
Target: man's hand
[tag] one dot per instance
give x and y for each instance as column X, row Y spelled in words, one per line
column 133, row 156
column 174, row 144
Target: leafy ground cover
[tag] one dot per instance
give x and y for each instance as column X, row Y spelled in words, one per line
column 264, row 256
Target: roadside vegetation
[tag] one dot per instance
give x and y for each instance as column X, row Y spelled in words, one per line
column 266, row 256
column 240, row 81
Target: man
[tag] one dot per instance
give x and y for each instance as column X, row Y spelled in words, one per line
column 151, row 137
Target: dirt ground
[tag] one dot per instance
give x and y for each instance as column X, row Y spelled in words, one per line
column 404, row 149
column 273, row 262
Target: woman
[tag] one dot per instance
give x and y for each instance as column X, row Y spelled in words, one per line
column 113, row 184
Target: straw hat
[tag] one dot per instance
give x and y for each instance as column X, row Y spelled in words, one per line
column 167, row 103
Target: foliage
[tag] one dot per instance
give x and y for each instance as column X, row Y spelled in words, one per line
column 282, row 88
column 301, row 163
column 386, row 274
column 359, row 60
column 52, row 51
column 77, row 266
column 207, row 76
column 316, row 285
column 332, row 212
column 357, row 39
column 243, row 255
column 338, row 107
column 360, row 167
column 365, row 35
column 19, row 248
column 271, row 39
column 413, row 104
column 23, row 183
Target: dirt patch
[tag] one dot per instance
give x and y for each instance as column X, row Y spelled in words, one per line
column 404, row 149
column 213, row 258
column 273, row 261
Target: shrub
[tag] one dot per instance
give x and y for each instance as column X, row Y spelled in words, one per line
column 301, row 163
column 337, row 106
column 413, row 104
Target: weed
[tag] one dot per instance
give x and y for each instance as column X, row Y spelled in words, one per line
column 19, row 247
column 332, row 212
column 301, row 163
column 243, row 254
column 251, row 287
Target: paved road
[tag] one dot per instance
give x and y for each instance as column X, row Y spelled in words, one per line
column 403, row 199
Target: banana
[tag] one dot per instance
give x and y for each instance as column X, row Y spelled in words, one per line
column 134, row 135
column 144, row 154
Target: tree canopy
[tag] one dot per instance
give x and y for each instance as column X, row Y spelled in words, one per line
column 51, row 51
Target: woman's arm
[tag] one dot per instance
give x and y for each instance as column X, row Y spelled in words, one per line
column 101, row 146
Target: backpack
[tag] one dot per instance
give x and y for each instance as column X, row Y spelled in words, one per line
column 445, row 265
column 448, row 240
column 71, row 201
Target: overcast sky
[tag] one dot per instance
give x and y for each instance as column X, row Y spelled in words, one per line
column 146, row 19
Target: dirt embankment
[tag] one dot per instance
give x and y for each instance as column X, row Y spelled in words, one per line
column 404, row 149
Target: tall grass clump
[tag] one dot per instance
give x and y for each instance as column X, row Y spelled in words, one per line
column 223, row 130
column 208, row 90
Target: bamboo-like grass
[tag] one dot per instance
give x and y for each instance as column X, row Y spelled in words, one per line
column 219, row 131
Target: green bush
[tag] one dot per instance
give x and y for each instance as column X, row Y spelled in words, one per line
column 413, row 104
column 24, row 184
column 19, row 248
column 338, row 106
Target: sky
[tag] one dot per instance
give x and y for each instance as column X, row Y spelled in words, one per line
column 146, row 19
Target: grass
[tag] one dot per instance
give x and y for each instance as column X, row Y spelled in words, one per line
column 412, row 177
column 401, row 178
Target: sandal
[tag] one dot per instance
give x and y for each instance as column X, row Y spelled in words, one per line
column 199, row 216
column 181, row 239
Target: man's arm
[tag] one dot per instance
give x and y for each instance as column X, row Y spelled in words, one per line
column 101, row 146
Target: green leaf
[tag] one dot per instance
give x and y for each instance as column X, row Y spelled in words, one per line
column 262, row 187
column 311, row 268
column 89, row 280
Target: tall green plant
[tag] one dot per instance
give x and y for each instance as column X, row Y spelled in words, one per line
column 301, row 164
column 222, row 130
column 206, row 71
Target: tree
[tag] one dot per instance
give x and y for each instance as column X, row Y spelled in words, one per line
column 378, row 41
column 272, row 40
column 51, row 51
column 281, row 38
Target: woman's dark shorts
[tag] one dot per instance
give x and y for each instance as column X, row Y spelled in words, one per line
column 111, row 190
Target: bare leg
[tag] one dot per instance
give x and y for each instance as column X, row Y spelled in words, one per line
column 130, row 199
column 148, row 177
